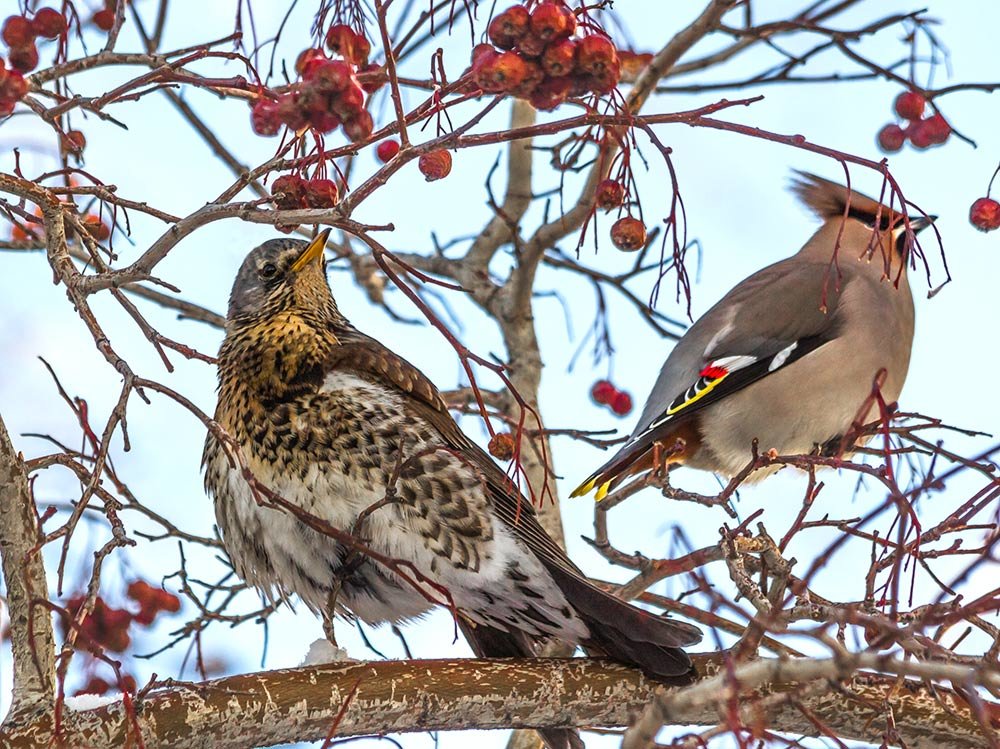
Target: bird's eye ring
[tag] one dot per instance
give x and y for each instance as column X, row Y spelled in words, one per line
column 269, row 270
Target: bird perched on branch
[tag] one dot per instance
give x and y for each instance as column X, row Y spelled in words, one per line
column 338, row 429
column 790, row 355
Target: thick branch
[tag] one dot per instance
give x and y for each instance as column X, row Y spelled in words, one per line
column 32, row 643
column 302, row 704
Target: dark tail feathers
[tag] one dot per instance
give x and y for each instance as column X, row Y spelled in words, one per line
column 626, row 633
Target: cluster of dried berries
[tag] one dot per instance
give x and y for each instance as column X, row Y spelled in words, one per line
column 107, row 627
column 985, row 214
column 606, row 394
column 502, row 446
column 536, row 55
column 99, row 686
column 290, row 191
column 329, row 95
column 32, row 230
column 20, row 32
column 922, row 132
column 152, row 601
column 104, row 626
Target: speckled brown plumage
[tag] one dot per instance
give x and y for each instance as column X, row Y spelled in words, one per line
column 332, row 421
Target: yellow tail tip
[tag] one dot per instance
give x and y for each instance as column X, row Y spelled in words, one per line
column 588, row 486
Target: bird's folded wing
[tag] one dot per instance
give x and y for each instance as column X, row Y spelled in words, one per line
column 774, row 318
column 369, row 359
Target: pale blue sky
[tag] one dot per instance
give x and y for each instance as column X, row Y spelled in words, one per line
column 737, row 207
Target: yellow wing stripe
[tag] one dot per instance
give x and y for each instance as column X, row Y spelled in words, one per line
column 602, row 491
column 709, row 387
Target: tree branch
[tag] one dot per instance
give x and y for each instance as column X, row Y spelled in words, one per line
column 32, row 642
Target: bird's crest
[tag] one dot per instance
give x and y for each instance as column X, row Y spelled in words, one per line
column 828, row 200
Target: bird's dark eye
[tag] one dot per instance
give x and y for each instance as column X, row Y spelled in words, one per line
column 270, row 270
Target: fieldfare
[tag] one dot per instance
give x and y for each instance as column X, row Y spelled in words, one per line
column 339, row 426
column 790, row 355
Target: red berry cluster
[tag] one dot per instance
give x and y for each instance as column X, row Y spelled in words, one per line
column 291, row 191
column 985, row 214
column 329, row 94
column 20, row 32
column 104, row 626
column 107, row 627
column 99, row 686
column 152, row 601
column 502, row 446
column 922, row 132
column 536, row 56
column 606, row 394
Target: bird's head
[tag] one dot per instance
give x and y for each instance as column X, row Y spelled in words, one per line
column 282, row 276
column 859, row 225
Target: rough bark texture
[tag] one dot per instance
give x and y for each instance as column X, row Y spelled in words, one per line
column 32, row 644
column 303, row 704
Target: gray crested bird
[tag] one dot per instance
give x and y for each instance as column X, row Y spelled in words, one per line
column 789, row 356
column 334, row 422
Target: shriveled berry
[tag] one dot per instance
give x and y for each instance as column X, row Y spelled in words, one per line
column 289, row 192
column 550, row 93
column 73, row 142
column 621, row 404
column 509, row 27
column 23, row 58
column 633, row 63
column 387, row 150
column 349, row 44
column 291, row 112
column 605, row 80
column 435, row 165
column 96, row 685
column 910, row 105
column 96, row 228
column 13, row 87
column 374, row 78
column 49, row 23
column 602, row 392
column 502, row 446
column 349, row 101
column 265, row 117
column 307, row 58
column 503, row 72
column 985, row 214
column 533, row 77
column 938, row 129
column 595, row 53
column 891, row 138
column 359, row 126
column 610, row 194
column 17, row 31
column 552, row 20
column 532, row 45
column 628, row 234
column 104, row 19
column 329, row 76
column 559, row 58
column 919, row 135
column 321, row 193
column 323, row 121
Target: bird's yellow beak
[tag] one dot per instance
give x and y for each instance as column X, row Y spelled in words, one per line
column 313, row 252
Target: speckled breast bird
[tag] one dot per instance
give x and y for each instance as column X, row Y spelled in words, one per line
column 789, row 356
column 331, row 420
